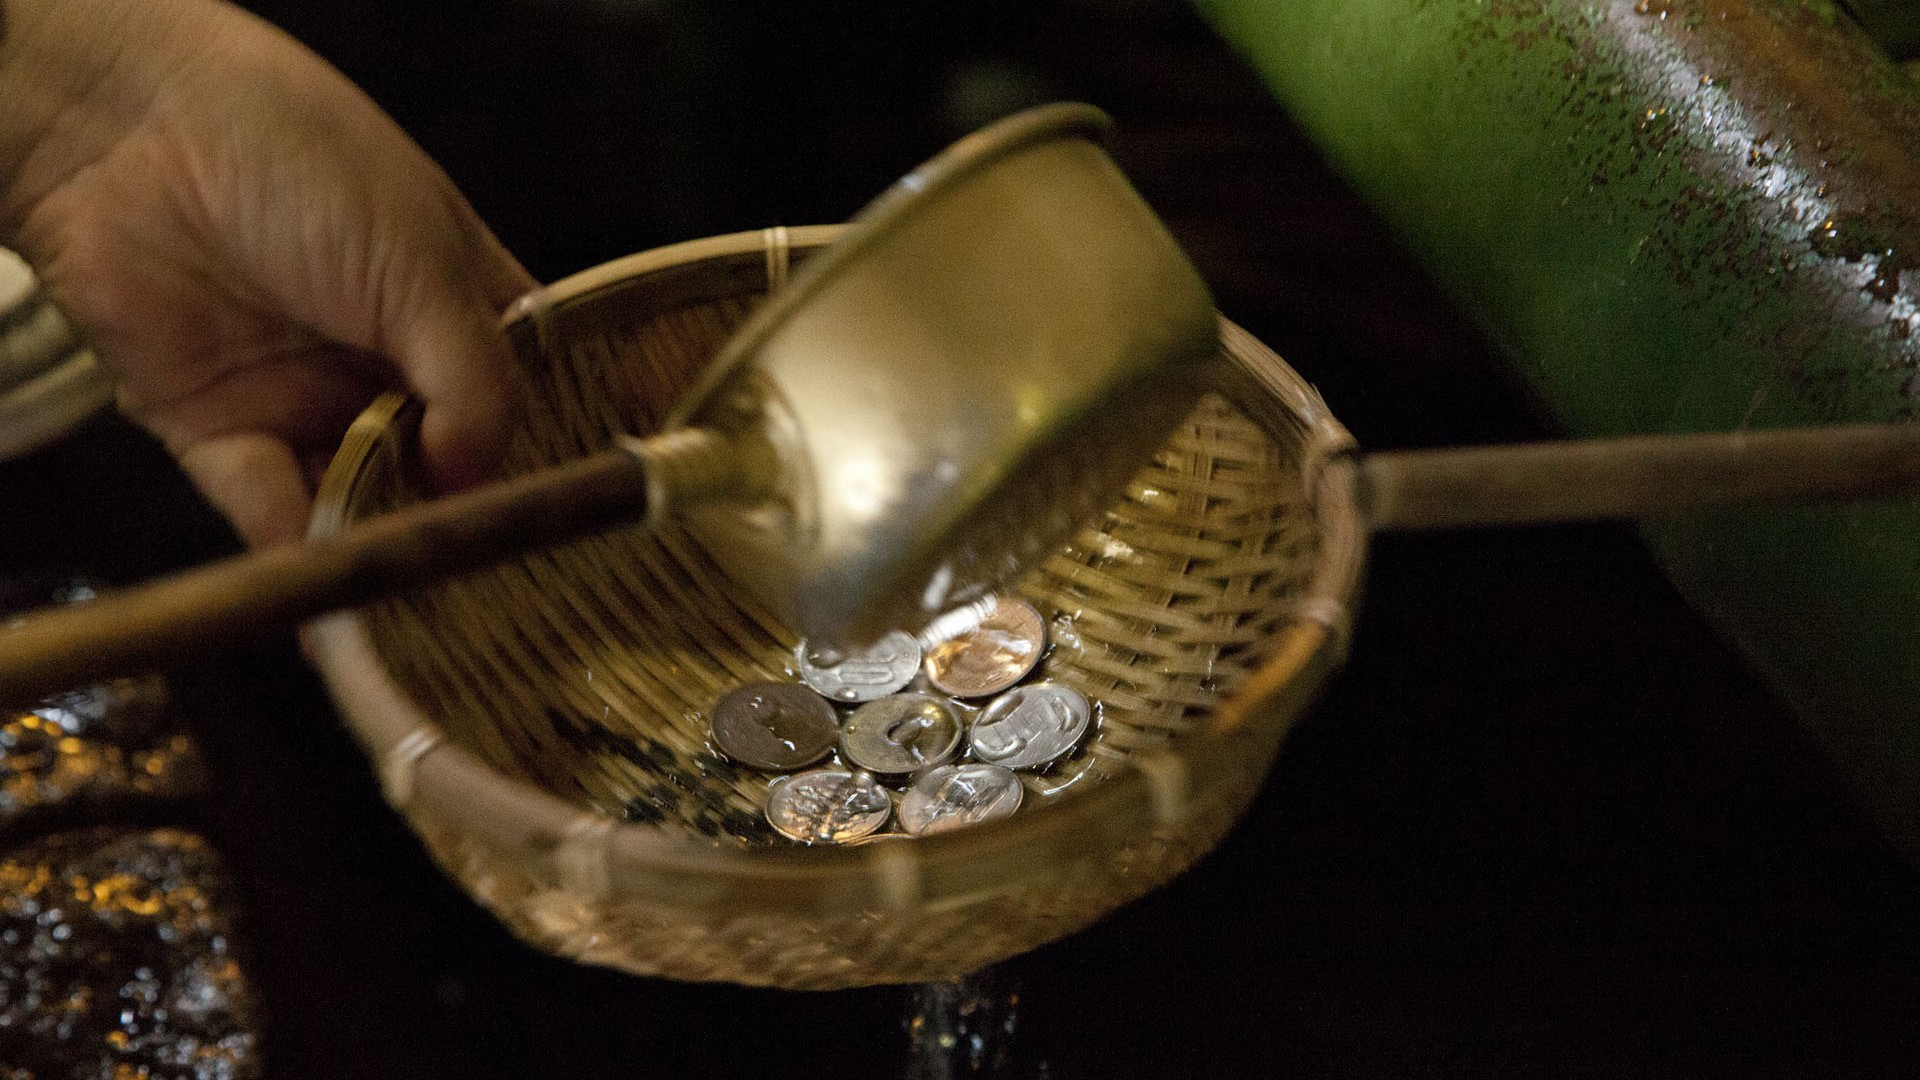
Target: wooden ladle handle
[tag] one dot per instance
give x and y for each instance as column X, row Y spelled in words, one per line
column 272, row 589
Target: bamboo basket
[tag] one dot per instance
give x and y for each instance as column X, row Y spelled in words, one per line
column 542, row 724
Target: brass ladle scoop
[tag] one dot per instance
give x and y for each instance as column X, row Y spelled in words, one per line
column 992, row 348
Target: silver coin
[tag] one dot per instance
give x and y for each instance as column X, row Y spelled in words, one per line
column 827, row 806
column 860, row 674
column 878, row 838
column 956, row 796
column 1030, row 725
column 901, row 734
column 774, row 726
column 994, row 654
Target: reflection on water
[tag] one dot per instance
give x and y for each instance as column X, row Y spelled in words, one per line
column 970, row 1027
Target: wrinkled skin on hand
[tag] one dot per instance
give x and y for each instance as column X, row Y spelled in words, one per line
column 252, row 246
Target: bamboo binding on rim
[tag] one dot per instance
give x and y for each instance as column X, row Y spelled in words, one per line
column 541, row 724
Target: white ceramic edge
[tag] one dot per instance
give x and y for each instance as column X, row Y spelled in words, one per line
column 52, row 403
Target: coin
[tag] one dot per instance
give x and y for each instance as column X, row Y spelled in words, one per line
column 827, row 806
column 775, row 726
column 993, row 655
column 860, row 674
column 956, row 796
column 901, row 734
column 878, row 838
column 1030, row 725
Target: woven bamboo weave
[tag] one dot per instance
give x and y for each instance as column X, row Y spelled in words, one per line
column 543, row 724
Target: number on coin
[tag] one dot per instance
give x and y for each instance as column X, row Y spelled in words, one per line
column 860, row 674
column 1030, row 726
column 992, row 656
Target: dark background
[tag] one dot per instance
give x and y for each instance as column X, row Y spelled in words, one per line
column 1542, row 823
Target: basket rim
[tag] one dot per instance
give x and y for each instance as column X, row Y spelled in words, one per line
column 628, row 860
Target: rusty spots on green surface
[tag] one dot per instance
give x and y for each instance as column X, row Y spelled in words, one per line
column 1679, row 214
column 1774, row 207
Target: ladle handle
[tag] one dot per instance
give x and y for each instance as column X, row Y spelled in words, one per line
column 1636, row 477
column 248, row 596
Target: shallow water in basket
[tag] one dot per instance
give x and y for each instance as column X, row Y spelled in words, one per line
column 590, row 669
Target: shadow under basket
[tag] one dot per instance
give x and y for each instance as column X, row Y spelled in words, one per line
column 543, row 724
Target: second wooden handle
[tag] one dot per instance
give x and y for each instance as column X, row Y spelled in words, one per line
column 1636, row 477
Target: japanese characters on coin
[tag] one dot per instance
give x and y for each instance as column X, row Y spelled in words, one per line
column 774, row 726
column 831, row 806
column 901, row 734
column 1030, row 725
column 956, row 796
column 950, row 760
column 855, row 675
column 992, row 656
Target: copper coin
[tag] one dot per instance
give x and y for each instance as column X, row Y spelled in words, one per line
column 956, row 796
column 901, row 734
column 1030, row 726
column 860, row 674
column 827, row 806
column 993, row 655
column 774, row 726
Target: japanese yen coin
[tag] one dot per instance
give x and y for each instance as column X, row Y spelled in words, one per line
column 1030, row 726
column 956, row 796
column 901, row 734
column 827, row 806
column 860, row 674
column 993, row 655
column 774, row 726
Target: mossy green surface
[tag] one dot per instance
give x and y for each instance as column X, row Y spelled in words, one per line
column 1618, row 193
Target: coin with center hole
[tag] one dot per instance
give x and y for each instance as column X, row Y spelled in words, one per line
column 775, row 726
column 827, row 806
column 901, row 734
column 860, row 674
column 992, row 656
column 956, row 796
column 1030, row 725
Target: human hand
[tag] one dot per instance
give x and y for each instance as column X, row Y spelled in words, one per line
column 250, row 244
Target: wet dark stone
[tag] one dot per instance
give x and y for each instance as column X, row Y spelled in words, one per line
column 113, row 749
column 116, row 960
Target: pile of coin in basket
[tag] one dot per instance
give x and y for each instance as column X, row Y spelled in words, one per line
column 942, row 729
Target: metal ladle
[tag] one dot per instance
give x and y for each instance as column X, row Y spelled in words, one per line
column 994, row 346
